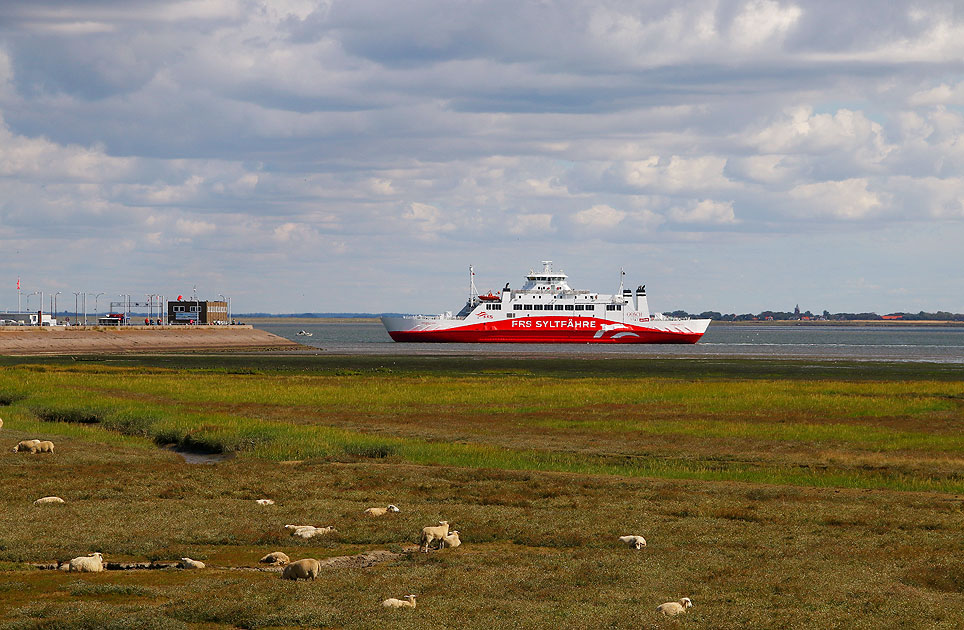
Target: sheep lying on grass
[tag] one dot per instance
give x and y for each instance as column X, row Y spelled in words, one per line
column 636, row 542
column 451, row 540
column 671, row 609
column 47, row 500
column 406, row 602
column 264, row 501
column 276, row 558
column 187, row 563
column 377, row 511
column 26, row 446
column 309, row 531
column 305, row 569
column 433, row 533
column 94, row 563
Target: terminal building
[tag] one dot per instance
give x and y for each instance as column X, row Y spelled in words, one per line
column 197, row 312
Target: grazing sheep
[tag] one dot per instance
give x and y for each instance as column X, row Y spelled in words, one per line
column 187, row 563
column 431, row 534
column 309, row 531
column 406, row 602
column 94, row 563
column 46, row 500
column 671, row 609
column 1, row 423
column 264, row 501
column 373, row 511
column 636, row 542
column 45, row 447
column 452, row 539
column 307, row 568
column 276, row 557
column 26, row 445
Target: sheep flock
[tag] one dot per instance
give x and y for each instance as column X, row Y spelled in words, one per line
column 308, row 569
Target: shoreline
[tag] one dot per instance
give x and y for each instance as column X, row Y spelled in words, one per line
column 36, row 341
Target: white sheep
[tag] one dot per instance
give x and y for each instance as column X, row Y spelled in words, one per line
column 433, row 533
column 378, row 511
column 406, row 602
column 636, row 542
column 671, row 609
column 264, row 501
column 305, row 569
column 1, row 423
column 187, row 563
column 45, row 447
column 275, row 557
column 94, row 563
column 451, row 540
column 46, row 500
column 309, row 531
column 26, row 445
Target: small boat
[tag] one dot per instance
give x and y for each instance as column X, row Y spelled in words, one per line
column 304, row 333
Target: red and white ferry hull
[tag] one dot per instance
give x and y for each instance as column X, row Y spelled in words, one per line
column 550, row 329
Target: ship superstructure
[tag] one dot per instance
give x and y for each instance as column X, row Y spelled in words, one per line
column 547, row 310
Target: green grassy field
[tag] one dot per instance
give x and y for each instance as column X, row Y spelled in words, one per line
column 774, row 494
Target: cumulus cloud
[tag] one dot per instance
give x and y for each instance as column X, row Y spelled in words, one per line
column 849, row 199
column 263, row 139
column 705, row 211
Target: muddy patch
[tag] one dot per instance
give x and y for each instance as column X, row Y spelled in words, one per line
column 358, row 561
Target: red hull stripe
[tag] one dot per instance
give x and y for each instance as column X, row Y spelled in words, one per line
column 548, row 330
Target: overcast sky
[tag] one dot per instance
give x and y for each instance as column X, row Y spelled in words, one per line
column 358, row 155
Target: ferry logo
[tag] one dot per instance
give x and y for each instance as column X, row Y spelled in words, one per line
column 484, row 315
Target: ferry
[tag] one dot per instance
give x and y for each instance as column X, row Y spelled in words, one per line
column 547, row 310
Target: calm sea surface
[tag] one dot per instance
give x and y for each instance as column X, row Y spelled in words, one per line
column 868, row 343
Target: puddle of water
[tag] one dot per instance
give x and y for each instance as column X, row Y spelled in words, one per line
column 191, row 457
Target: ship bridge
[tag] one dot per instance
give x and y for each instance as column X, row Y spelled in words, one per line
column 546, row 280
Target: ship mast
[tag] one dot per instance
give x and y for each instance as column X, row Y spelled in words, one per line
column 473, row 294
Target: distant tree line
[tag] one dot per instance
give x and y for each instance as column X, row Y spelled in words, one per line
column 825, row 316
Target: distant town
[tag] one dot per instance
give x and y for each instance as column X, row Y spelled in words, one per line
column 795, row 315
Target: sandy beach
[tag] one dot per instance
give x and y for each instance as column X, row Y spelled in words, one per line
column 103, row 339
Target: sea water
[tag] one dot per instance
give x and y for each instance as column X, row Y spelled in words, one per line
column 905, row 342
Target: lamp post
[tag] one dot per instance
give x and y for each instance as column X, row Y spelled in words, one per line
column 96, row 297
column 53, row 309
column 76, row 313
column 28, row 299
column 127, row 306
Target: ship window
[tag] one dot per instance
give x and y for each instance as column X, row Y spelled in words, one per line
column 537, row 307
column 580, row 307
column 510, row 314
column 570, row 307
column 619, row 307
column 559, row 307
column 610, row 307
column 528, row 307
column 495, row 307
column 517, row 307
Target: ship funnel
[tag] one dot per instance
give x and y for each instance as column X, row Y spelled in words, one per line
column 642, row 304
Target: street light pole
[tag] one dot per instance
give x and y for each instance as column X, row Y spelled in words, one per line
column 76, row 315
column 96, row 297
column 55, row 304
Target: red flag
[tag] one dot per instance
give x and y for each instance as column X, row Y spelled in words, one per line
column 180, row 297
column 18, row 283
